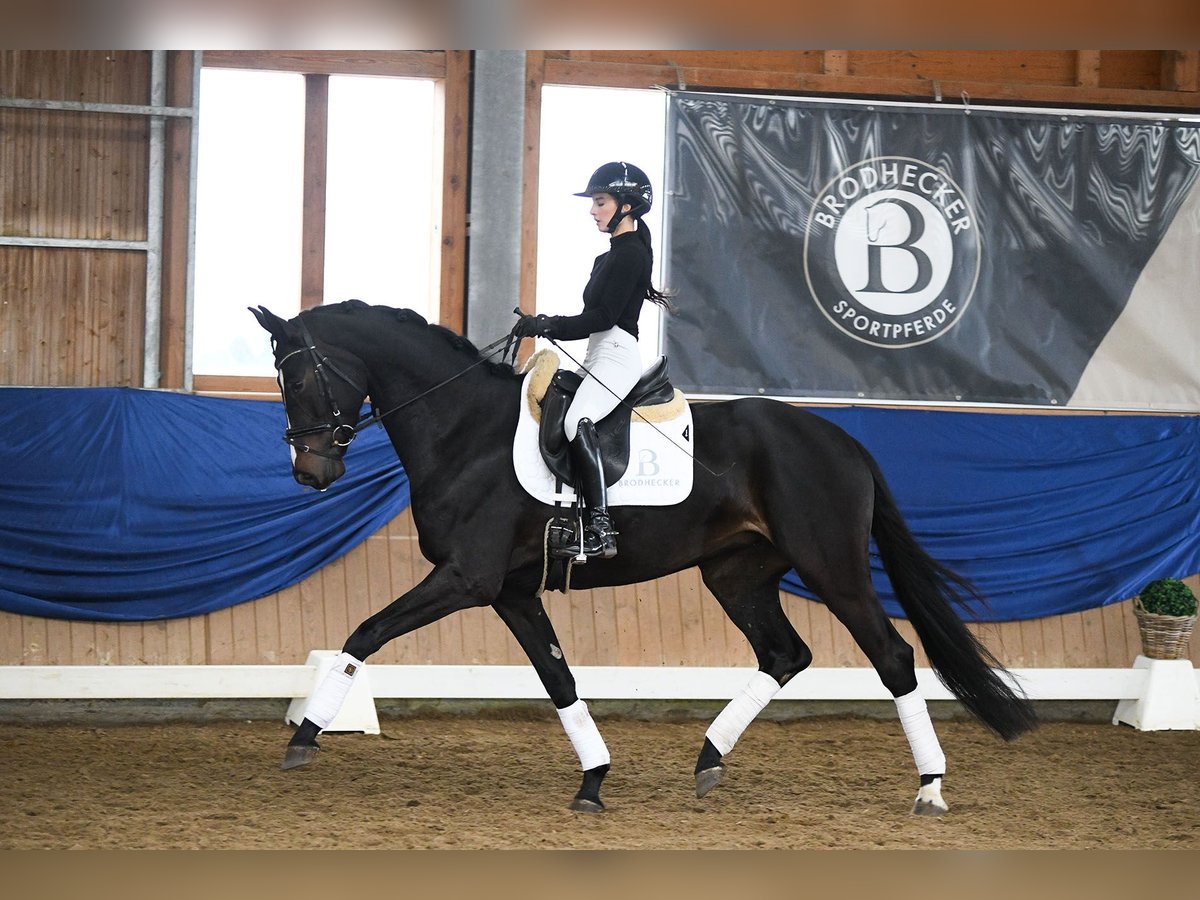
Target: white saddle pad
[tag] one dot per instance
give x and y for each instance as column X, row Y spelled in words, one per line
column 660, row 452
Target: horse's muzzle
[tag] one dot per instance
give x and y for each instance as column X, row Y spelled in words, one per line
column 316, row 471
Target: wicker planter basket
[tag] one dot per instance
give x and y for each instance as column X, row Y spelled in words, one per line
column 1163, row 637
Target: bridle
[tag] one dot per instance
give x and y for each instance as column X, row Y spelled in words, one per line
column 344, row 433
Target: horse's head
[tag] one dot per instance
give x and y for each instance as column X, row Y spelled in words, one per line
column 321, row 397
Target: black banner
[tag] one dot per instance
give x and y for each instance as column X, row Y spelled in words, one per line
column 934, row 254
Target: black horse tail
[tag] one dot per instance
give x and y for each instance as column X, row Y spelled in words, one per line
column 929, row 592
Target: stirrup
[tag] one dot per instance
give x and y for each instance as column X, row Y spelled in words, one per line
column 604, row 536
column 596, row 543
column 564, row 540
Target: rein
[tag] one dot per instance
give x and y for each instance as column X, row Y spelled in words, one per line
column 484, row 354
column 344, row 433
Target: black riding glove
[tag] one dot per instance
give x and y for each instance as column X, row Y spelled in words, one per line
column 535, row 326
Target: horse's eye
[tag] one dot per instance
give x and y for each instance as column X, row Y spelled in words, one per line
column 295, row 387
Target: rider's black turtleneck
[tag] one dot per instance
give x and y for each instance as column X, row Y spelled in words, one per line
column 614, row 292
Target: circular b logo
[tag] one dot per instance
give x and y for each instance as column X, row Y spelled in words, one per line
column 891, row 253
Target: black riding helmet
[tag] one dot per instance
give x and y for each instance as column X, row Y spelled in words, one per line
column 627, row 184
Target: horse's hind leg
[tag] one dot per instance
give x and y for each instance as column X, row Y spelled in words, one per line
column 746, row 583
column 526, row 618
column 851, row 597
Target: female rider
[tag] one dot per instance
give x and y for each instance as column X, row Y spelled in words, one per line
column 612, row 301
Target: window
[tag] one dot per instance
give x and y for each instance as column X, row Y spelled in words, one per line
column 583, row 128
column 248, row 214
column 375, row 220
column 380, row 243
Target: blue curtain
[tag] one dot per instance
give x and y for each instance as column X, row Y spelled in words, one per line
column 120, row 504
column 127, row 505
column 1046, row 514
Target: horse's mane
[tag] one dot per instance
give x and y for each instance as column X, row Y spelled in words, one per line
column 459, row 343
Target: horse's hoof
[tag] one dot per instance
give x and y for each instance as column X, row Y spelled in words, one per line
column 929, row 800
column 299, row 756
column 707, row 779
column 582, row 804
column 925, row 808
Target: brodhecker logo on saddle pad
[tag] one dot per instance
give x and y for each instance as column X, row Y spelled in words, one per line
column 892, row 251
column 660, row 452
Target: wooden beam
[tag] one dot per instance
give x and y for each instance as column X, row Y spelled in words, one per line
column 316, row 154
column 411, row 63
column 453, row 103
column 1087, row 68
column 836, row 62
column 634, row 75
column 262, row 386
column 173, row 326
column 1181, row 70
column 570, row 71
column 535, row 66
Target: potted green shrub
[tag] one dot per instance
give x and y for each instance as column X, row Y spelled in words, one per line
column 1166, row 615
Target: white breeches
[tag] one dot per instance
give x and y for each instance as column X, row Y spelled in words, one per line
column 614, row 366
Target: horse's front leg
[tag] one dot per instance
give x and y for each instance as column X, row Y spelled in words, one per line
column 526, row 618
column 445, row 590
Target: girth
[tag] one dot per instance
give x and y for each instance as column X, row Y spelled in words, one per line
column 652, row 389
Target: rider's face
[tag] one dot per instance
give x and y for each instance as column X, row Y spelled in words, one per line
column 604, row 207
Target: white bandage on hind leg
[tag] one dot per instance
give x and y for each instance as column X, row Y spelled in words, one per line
column 737, row 716
column 914, row 717
column 585, row 736
column 327, row 699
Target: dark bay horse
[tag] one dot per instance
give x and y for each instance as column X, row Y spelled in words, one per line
column 793, row 491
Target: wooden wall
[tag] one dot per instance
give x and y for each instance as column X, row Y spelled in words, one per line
column 673, row 621
column 72, row 317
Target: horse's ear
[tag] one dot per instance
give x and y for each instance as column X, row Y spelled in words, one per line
column 277, row 327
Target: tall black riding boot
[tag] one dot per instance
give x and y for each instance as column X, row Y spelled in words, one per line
column 600, row 538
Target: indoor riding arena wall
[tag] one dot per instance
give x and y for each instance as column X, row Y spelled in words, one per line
column 672, row 621
column 74, row 317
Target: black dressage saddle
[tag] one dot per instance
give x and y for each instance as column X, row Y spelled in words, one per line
column 652, row 388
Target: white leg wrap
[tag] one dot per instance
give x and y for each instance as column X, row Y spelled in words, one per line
column 737, row 716
column 585, row 736
column 327, row 699
column 926, row 751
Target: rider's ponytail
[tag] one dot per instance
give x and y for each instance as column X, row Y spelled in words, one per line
column 662, row 298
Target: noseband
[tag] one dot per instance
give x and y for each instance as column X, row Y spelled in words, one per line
column 342, row 433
